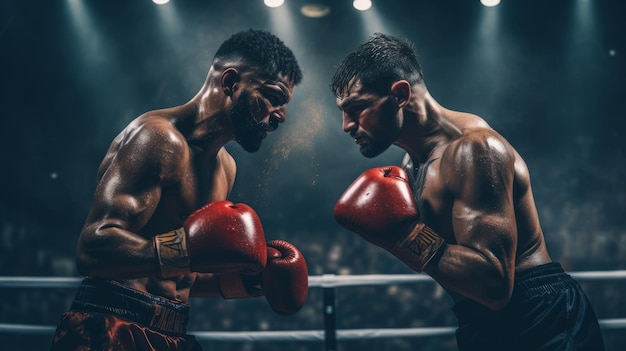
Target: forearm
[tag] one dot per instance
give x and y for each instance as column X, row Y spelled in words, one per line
column 466, row 271
column 114, row 253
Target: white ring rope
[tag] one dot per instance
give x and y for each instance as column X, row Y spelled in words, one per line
column 301, row 335
column 323, row 281
column 276, row 335
column 318, row 335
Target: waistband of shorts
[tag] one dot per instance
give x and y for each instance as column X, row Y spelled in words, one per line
column 105, row 296
column 543, row 279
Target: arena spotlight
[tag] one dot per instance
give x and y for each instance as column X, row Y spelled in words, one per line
column 362, row 5
column 160, row 2
column 273, row 3
column 490, row 3
column 315, row 9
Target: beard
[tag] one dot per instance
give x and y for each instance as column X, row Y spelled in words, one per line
column 389, row 131
column 248, row 132
column 373, row 148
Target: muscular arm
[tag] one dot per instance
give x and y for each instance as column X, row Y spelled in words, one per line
column 480, row 265
column 131, row 180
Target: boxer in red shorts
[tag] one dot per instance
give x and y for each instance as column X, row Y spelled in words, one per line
column 161, row 229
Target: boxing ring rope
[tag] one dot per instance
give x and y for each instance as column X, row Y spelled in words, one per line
column 329, row 335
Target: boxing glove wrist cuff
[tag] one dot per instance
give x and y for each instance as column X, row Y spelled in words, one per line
column 234, row 285
column 419, row 247
column 171, row 250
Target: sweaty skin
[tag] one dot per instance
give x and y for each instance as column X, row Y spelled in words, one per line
column 163, row 166
column 475, row 191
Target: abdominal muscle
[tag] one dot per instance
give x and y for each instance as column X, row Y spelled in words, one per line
column 176, row 289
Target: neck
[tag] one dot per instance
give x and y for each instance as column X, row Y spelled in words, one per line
column 425, row 126
column 205, row 120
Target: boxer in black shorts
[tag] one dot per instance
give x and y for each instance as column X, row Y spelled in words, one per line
column 548, row 311
column 460, row 209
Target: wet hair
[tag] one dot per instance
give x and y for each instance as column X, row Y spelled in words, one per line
column 262, row 50
column 377, row 63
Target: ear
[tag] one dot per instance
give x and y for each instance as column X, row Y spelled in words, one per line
column 230, row 78
column 402, row 91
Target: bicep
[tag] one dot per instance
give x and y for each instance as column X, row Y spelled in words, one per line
column 130, row 187
column 109, row 244
column 483, row 212
column 125, row 197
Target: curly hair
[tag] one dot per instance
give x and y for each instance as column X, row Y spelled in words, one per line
column 263, row 50
column 376, row 63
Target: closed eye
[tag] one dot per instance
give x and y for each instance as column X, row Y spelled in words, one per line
column 352, row 106
column 353, row 110
column 276, row 97
column 277, row 101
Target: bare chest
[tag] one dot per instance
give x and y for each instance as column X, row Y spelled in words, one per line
column 201, row 182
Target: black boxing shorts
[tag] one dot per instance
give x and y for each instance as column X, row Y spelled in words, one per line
column 548, row 311
column 109, row 316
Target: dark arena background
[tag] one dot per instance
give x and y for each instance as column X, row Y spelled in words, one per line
column 548, row 75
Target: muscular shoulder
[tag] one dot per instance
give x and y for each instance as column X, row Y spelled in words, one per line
column 480, row 158
column 152, row 143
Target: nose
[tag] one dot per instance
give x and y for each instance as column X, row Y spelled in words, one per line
column 280, row 114
column 270, row 122
column 348, row 123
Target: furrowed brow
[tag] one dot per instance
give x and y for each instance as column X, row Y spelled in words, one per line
column 347, row 102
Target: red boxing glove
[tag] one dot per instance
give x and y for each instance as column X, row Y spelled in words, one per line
column 379, row 206
column 286, row 278
column 284, row 282
column 221, row 236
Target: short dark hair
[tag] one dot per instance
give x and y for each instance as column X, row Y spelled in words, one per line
column 378, row 62
column 262, row 50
